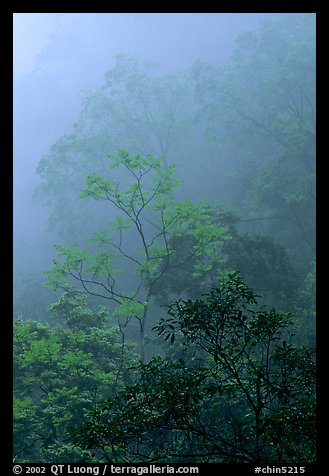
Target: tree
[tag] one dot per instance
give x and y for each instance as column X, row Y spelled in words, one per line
column 249, row 399
column 139, row 240
column 61, row 371
column 136, row 108
column 263, row 104
column 262, row 261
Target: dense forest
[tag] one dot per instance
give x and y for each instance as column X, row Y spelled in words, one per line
column 176, row 322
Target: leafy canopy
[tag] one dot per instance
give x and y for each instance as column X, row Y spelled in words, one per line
column 246, row 396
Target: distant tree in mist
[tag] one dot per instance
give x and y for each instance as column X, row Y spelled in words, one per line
column 138, row 109
column 263, row 101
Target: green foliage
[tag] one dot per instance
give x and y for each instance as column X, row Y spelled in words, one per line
column 148, row 214
column 59, row 374
column 250, row 398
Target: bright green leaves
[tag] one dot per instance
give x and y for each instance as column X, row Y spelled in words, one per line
column 135, row 163
column 76, row 362
column 196, row 223
column 99, row 187
column 72, row 259
column 90, row 269
column 146, row 183
column 60, row 373
column 46, row 349
column 148, row 215
column 130, row 308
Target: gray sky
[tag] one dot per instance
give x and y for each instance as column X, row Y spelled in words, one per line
column 171, row 37
column 58, row 54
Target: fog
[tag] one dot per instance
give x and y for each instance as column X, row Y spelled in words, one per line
column 56, row 56
column 60, row 59
column 164, row 238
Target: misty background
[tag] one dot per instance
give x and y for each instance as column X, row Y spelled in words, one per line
column 60, row 60
column 57, row 56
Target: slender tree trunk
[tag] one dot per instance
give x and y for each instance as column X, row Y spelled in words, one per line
column 142, row 327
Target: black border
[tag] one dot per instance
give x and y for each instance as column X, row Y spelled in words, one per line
column 6, row 81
